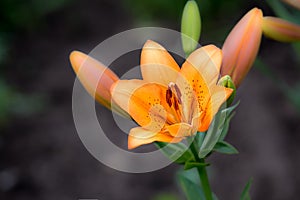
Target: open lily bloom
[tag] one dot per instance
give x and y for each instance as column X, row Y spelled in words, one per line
column 171, row 103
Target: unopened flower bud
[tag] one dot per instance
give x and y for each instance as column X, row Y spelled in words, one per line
column 280, row 30
column 241, row 46
column 190, row 27
column 227, row 82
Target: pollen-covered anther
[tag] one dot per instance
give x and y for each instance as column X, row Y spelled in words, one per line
column 169, row 97
column 175, row 93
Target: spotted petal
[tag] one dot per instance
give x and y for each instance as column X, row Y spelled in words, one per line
column 145, row 102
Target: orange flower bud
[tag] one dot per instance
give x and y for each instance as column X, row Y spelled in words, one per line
column 241, row 46
column 94, row 76
column 280, row 30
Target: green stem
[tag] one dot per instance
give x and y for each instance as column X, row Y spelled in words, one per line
column 202, row 173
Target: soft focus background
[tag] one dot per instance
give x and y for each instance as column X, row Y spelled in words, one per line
column 41, row 154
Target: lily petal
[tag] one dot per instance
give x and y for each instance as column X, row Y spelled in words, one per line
column 139, row 136
column 207, row 61
column 219, row 95
column 145, row 102
column 198, row 74
column 178, row 130
column 157, row 65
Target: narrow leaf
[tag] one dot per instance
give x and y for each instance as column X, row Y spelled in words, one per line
column 225, row 147
column 212, row 134
column 245, row 194
column 226, row 126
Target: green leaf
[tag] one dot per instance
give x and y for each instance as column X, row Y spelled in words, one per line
column 190, row 165
column 225, row 147
column 229, row 110
column 245, row 194
column 200, row 138
column 218, row 129
column 177, row 152
column 226, row 126
column 191, row 190
column 212, row 134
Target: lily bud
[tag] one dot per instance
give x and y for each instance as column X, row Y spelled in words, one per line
column 295, row 3
column 241, row 46
column 280, row 30
column 96, row 79
column 227, row 82
column 190, row 27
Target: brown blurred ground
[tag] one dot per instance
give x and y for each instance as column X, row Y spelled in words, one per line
column 43, row 158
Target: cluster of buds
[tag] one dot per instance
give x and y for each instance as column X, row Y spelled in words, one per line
column 241, row 46
column 239, row 50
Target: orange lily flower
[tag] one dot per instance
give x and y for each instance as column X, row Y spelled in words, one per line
column 241, row 46
column 96, row 78
column 171, row 103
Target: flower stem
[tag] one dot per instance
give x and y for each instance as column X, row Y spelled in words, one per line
column 202, row 173
column 204, row 182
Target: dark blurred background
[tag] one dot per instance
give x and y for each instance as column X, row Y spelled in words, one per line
column 41, row 154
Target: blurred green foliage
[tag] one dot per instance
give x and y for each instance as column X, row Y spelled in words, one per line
column 13, row 103
column 149, row 10
column 291, row 14
column 16, row 18
column 172, row 9
column 18, row 15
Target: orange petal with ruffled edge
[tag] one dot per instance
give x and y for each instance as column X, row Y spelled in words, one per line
column 157, row 65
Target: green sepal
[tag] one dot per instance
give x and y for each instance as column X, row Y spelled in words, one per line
column 225, row 148
column 177, row 152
